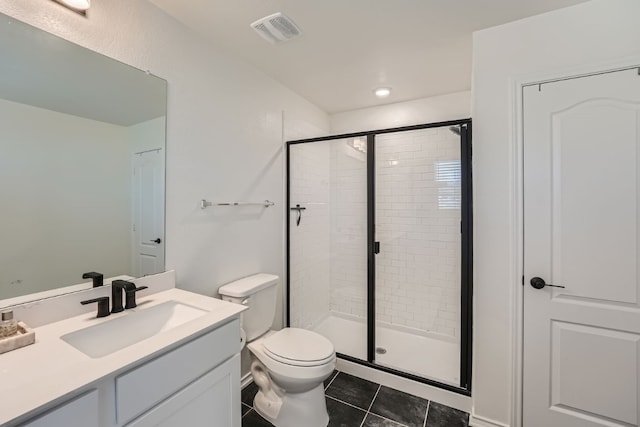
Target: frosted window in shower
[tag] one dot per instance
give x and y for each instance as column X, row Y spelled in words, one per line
column 448, row 177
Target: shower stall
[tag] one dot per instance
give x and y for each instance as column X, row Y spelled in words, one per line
column 379, row 248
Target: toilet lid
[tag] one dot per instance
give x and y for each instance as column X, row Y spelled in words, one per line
column 298, row 347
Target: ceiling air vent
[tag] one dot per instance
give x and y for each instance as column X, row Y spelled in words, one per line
column 276, row 28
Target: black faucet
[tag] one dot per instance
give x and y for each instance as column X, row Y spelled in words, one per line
column 96, row 277
column 117, row 286
column 103, row 305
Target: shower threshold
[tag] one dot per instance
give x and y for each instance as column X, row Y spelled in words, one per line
column 424, row 356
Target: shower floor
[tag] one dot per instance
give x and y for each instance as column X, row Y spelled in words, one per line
column 416, row 354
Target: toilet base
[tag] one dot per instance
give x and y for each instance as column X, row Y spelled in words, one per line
column 308, row 409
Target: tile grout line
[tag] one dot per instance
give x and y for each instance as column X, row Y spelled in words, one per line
column 370, row 405
column 426, row 414
column 388, row 419
column 367, row 411
column 399, row 424
column 346, row 403
column 332, row 380
column 249, row 411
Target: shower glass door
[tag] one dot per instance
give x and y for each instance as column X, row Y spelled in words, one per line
column 327, row 189
column 418, row 212
column 379, row 248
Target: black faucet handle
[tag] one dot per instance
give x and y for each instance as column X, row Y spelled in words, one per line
column 95, row 276
column 130, row 295
column 103, row 305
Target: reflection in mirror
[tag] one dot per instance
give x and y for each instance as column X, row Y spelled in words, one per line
column 82, row 146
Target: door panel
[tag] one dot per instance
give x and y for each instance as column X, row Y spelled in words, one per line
column 148, row 212
column 581, row 355
column 577, row 349
column 595, row 190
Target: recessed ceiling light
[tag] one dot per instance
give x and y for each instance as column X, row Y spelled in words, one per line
column 382, row 92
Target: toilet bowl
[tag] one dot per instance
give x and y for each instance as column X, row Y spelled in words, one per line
column 288, row 366
column 295, row 393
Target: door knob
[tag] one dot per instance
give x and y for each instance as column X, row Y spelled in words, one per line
column 539, row 283
column 158, row 240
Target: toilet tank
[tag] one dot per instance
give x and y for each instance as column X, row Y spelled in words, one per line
column 258, row 292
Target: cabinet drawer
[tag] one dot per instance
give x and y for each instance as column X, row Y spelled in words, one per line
column 145, row 386
column 81, row 411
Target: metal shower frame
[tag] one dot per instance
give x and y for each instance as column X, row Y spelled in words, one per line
column 466, row 228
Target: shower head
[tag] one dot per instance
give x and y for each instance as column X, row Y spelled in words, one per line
column 455, row 129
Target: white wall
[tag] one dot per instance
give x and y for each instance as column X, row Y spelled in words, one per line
column 425, row 110
column 224, row 135
column 596, row 35
column 147, row 135
column 40, row 190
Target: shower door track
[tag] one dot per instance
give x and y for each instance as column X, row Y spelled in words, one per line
column 466, row 289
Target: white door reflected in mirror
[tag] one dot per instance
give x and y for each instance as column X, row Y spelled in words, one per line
column 148, row 216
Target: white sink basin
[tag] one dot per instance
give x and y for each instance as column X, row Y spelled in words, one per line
column 113, row 335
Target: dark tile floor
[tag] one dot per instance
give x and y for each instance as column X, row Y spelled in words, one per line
column 355, row 402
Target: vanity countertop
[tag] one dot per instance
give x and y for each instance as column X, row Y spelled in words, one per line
column 45, row 373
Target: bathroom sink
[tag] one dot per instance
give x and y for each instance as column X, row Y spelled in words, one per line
column 113, row 335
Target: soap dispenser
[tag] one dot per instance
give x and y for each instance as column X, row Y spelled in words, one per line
column 8, row 325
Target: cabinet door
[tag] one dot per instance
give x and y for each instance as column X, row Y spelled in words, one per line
column 213, row 400
column 149, row 384
column 79, row 412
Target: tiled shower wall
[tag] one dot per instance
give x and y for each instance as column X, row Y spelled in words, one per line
column 418, row 224
column 348, row 228
column 310, row 244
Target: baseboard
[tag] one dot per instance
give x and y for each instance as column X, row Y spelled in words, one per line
column 477, row 421
column 425, row 391
column 246, row 380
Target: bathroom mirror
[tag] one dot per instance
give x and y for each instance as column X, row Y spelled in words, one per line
column 82, row 153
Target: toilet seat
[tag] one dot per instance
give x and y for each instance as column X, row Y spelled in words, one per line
column 298, row 347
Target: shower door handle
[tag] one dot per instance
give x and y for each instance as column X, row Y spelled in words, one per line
column 376, row 247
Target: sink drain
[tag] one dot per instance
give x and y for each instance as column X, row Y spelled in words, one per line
column 381, row 350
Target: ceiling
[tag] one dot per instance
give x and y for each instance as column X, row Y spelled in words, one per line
column 419, row 48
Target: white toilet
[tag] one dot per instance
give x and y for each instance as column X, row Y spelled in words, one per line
column 290, row 365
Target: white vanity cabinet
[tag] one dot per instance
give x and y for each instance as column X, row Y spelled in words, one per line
column 180, row 383
column 194, row 384
column 79, row 411
column 210, row 401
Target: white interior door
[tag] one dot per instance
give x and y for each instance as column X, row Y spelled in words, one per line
column 581, row 231
column 148, row 212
